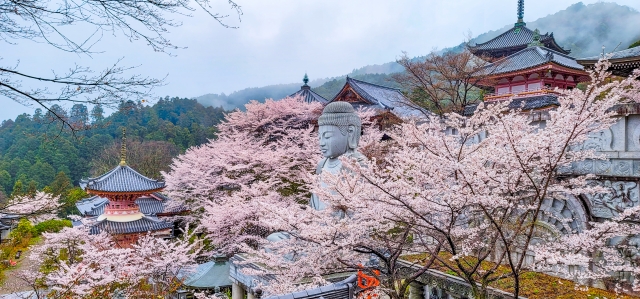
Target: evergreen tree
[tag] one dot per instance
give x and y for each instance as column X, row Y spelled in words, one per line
column 60, row 186
column 97, row 113
column 17, row 189
column 79, row 115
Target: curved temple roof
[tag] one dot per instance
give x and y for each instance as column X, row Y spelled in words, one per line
column 149, row 206
column 121, row 179
column 514, row 40
column 143, row 225
column 381, row 97
column 623, row 62
column 532, row 57
column 309, row 95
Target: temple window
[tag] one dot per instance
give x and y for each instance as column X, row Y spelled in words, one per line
column 518, row 88
column 503, row 90
column 534, row 86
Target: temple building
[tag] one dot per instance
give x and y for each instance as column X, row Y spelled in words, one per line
column 126, row 204
column 514, row 40
column 389, row 103
column 307, row 94
column 622, row 62
column 530, row 72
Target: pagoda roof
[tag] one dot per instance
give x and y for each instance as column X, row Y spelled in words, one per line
column 121, row 179
column 531, row 57
column 143, row 225
column 380, row 97
column 308, row 95
column 513, row 40
column 524, row 103
column 622, row 62
column 209, row 275
column 149, row 206
column 627, row 53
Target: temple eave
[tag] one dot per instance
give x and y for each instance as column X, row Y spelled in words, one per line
column 103, row 193
column 540, row 68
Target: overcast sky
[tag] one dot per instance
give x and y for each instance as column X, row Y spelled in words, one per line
column 277, row 41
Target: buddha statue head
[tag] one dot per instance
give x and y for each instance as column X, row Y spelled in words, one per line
column 340, row 129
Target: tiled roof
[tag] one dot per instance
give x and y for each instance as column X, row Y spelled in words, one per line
column 526, row 103
column 153, row 206
column 94, row 206
column 121, row 179
column 516, row 37
column 532, row 57
column 209, row 275
column 237, row 263
column 382, row 97
column 340, row 290
column 143, row 225
column 628, row 53
column 309, row 95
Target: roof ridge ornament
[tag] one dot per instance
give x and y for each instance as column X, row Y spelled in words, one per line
column 123, row 149
column 520, row 22
column 305, row 79
column 536, row 39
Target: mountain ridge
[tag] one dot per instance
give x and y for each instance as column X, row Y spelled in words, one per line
column 601, row 24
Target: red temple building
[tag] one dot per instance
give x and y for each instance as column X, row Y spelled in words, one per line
column 127, row 204
column 526, row 67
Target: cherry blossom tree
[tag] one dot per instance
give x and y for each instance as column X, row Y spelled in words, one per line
column 76, row 264
column 261, row 155
column 37, row 207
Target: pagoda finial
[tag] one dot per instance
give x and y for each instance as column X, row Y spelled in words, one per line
column 520, row 22
column 123, row 150
column 305, row 79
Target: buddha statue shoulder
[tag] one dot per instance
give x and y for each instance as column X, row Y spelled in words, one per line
column 339, row 133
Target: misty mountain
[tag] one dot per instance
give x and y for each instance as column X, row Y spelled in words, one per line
column 584, row 29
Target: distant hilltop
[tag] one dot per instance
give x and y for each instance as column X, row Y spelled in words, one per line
column 584, row 29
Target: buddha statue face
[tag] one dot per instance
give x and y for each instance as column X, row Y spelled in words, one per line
column 332, row 142
column 339, row 130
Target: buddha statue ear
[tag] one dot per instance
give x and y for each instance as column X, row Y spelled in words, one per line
column 352, row 137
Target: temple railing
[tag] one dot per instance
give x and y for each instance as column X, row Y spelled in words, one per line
column 523, row 93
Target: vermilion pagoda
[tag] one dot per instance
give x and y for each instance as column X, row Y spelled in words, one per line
column 118, row 194
column 526, row 67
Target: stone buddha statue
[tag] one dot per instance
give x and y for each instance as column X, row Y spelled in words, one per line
column 339, row 134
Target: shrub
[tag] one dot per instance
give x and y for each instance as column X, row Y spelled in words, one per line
column 24, row 230
column 52, row 226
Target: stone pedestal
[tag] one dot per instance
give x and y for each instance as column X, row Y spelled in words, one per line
column 237, row 291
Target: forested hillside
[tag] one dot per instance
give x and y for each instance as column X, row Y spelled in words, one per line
column 34, row 150
column 582, row 28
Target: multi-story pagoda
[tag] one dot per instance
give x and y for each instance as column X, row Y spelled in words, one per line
column 530, row 75
column 514, row 40
column 123, row 188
